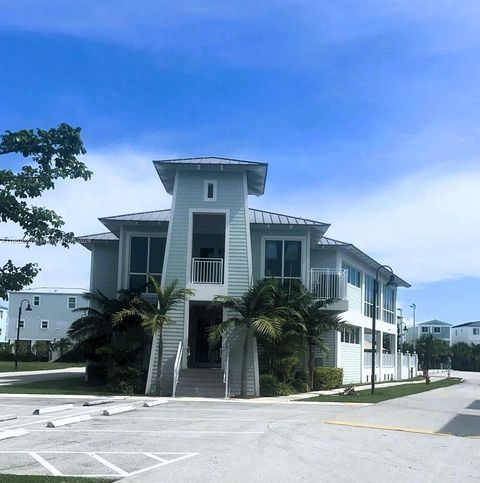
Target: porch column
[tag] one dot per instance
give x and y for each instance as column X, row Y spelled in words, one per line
column 362, row 341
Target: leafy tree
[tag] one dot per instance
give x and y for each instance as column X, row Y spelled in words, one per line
column 63, row 345
column 257, row 313
column 432, row 351
column 154, row 317
column 466, row 357
column 54, row 155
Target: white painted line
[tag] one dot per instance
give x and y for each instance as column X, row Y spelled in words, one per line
column 118, row 410
column 155, row 457
column 98, row 402
column 45, row 464
column 140, row 431
column 12, row 433
column 189, row 455
column 108, row 464
column 63, row 422
column 53, row 409
column 8, row 417
column 157, row 402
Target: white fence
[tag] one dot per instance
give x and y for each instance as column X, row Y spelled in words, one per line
column 407, row 366
column 328, row 283
column 207, row 270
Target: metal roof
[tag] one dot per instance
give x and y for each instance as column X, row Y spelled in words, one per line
column 469, row 324
column 325, row 242
column 256, row 171
column 255, row 217
column 52, row 290
column 435, row 322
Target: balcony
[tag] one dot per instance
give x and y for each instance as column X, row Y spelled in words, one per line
column 207, row 271
column 330, row 283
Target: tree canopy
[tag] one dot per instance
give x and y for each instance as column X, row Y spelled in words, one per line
column 53, row 155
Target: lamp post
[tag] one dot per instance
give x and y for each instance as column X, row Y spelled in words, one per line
column 401, row 328
column 414, row 308
column 28, row 309
column 391, row 283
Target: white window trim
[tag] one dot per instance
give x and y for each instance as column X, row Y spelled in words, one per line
column 302, row 239
column 39, row 301
column 437, row 330
column 129, row 245
column 22, row 321
column 48, row 324
column 68, row 302
column 205, row 190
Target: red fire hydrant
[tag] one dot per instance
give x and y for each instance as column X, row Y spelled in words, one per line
column 426, row 376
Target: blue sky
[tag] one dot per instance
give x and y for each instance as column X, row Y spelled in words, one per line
column 368, row 113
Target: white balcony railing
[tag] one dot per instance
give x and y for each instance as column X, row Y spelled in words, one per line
column 207, row 270
column 328, row 283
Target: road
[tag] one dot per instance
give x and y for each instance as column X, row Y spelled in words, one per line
column 26, row 377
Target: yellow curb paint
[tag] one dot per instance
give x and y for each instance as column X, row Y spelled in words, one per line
column 388, row 428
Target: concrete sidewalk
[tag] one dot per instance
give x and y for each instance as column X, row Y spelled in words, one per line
column 26, row 377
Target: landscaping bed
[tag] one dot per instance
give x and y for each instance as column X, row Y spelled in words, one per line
column 384, row 393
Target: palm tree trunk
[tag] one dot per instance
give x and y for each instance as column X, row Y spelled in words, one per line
column 159, row 364
column 310, row 365
column 243, row 387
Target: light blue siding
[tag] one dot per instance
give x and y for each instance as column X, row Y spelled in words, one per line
column 104, row 268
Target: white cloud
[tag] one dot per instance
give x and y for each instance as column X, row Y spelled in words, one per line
column 124, row 181
column 426, row 226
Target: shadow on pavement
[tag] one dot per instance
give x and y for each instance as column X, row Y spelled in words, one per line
column 463, row 425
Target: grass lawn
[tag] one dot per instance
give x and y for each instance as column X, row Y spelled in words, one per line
column 49, row 479
column 71, row 385
column 384, row 393
column 9, row 366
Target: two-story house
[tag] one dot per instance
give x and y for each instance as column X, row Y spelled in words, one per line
column 3, row 323
column 211, row 241
column 50, row 317
column 468, row 333
column 436, row 328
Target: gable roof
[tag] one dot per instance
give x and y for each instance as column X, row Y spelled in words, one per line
column 256, row 171
column 469, row 324
column 435, row 322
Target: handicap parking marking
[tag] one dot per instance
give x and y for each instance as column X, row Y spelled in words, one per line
column 134, row 462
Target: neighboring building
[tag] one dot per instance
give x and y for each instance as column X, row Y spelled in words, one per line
column 468, row 332
column 3, row 323
column 436, row 328
column 50, row 317
column 211, row 241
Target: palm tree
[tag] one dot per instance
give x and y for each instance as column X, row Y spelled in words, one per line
column 154, row 317
column 257, row 314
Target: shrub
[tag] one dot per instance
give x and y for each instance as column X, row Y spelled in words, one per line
column 300, row 382
column 327, row 378
column 271, row 386
column 284, row 368
column 129, row 380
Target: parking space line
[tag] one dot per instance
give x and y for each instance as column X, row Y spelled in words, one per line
column 185, row 456
column 142, row 431
column 155, row 457
column 45, row 464
column 108, row 464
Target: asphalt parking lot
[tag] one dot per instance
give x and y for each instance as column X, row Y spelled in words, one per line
column 245, row 441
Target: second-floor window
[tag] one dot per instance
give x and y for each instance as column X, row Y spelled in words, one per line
column 368, row 297
column 283, row 259
column 353, row 275
column 476, row 331
column 44, row 324
column 436, row 330
column 350, row 335
column 36, row 300
column 425, row 330
column 389, row 305
column 146, row 258
column 21, row 324
column 72, row 302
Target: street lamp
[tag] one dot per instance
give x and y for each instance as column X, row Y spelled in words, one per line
column 414, row 308
column 28, row 309
column 401, row 328
column 391, row 283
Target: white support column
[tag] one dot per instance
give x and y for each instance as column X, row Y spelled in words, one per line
column 380, row 353
column 362, row 341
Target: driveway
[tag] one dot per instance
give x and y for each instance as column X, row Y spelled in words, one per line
column 26, row 377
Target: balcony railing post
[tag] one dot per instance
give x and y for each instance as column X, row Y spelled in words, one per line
column 326, row 283
column 207, row 270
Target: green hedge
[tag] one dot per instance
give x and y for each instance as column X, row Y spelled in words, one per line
column 325, row 378
column 271, row 386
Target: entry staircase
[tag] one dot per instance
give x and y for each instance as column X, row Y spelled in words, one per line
column 196, row 382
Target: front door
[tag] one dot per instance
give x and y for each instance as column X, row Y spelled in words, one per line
column 202, row 353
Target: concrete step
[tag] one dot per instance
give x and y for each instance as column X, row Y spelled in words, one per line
column 198, row 382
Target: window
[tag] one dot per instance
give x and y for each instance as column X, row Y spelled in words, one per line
column 36, row 300
column 44, row 324
column 425, row 330
column 476, row 331
column 146, row 258
column 1, row 314
column 283, row 259
column 0, row 331
column 353, row 275
column 350, row 335
column 21, row 324
column 389, row 305
column 436, row 330
column 210, row 190
column 72, row 302
column 368, row 293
